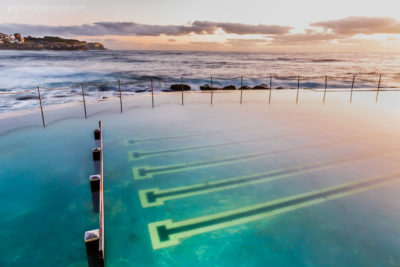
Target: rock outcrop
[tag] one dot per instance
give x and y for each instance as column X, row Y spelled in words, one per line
column 229, row 87
column 208, row 87
column 261, row 87
column 178, row 87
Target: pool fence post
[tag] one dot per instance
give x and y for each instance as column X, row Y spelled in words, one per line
column 97, row 137
column 212, row 90
column 92, row 248
column 298, row 88
column 182, row 89
column 152, row 93
column 84, row 102
column 41, row 107
column 270, row 89
column 96, row 158
column 379, row 87
column 352, row 87
column 95, row 190
column 120, row 95
column 241, row 89
column 326, row 85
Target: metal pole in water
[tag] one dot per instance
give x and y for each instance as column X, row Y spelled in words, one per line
column 84, row 102
column 270, row 89
column 298, row 88
column 379, row 87
column 152, row 93
column 241, row 89
column 41, row 107
column 326, row 84
column 182, row 89
column 212, row 90
column 352, row 87
column 120, row 95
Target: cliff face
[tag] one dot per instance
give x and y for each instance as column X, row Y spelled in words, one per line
column 51, row 43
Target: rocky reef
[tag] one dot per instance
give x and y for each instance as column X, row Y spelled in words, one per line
column 47, row 43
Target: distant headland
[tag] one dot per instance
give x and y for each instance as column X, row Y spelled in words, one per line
column 17, row 42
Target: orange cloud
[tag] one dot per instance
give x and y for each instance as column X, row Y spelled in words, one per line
column 361, row 25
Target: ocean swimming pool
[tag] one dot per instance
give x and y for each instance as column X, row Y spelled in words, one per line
column 226, row 185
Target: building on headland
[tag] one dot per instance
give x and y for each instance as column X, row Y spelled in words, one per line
column 17, row 42
column 19, row 38
column 11, row 39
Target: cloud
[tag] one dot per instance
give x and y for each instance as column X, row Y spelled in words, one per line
column 309, row 37
column 247, row 42
column 360, row 25
column 240, row 28
column 137, row 29
column 346, row 32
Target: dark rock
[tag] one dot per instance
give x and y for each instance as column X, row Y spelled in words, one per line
column 205, row 87
column 261, row 86
column 166, row 90
column 28, row 97
column 229, row 87
column 178, row 87
column 208, row 87
column 280, row 88
column 141, row 91
column 104, row 97
column 245, row 87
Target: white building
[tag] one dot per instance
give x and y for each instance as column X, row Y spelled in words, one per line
column 5, row 38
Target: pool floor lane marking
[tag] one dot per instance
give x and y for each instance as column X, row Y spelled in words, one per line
column 146, row 172
column 131, row 142
column 140, row 154
column 168, row 233
column 155, row 197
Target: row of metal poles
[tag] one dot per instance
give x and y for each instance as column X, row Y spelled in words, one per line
column 212, row 89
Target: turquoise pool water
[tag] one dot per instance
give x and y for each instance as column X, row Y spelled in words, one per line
column 206, row 186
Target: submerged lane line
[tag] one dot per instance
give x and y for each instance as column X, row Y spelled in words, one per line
column 155, row 197
column 133, row 155
column 146, row 172
column 130, row 141
column 168, row 233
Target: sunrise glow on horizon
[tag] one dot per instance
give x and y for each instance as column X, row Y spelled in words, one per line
column 300, row 26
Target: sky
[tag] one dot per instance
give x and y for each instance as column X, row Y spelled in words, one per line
column 221, row 25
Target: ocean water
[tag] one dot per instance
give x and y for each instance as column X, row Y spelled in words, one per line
column 60, row 74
